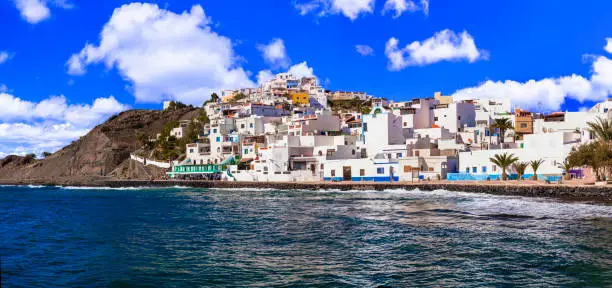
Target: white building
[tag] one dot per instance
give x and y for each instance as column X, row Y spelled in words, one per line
column 455, row 116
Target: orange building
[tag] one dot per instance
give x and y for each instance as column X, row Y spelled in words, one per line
column 523, row 123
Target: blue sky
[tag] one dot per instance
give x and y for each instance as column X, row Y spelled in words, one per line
column 60, row 74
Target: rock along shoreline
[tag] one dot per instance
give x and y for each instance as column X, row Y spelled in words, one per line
column 582, row 193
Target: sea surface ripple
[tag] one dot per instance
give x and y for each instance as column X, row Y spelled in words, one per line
column 185, row 237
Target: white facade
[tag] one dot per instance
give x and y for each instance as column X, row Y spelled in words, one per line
column 381, row 129
column 553, row 148
column 455, row 116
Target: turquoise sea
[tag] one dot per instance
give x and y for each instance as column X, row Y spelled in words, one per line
column 184, row 237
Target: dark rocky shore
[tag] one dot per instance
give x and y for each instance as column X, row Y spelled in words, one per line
column 597, row 194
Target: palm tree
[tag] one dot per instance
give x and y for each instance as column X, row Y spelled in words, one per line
column 566, row 166
column 520, row 168
column 504, row 161
column 602, row 129
column 535, row 164
column 502, row 124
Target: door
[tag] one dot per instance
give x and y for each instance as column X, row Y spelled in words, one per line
column 346, row 173
column 312, row 169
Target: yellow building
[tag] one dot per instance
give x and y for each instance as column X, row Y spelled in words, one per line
column 300, row 98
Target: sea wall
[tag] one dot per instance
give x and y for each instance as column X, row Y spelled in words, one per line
column 576, row 193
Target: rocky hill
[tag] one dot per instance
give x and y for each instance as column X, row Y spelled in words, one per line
column 99, row 153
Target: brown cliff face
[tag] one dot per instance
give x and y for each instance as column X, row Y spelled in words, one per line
column 99, row 152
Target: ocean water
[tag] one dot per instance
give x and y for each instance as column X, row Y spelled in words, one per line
column 184, row 237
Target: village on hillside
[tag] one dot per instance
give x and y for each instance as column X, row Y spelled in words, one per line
column 292, row 129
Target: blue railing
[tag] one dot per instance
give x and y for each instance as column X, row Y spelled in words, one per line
column 484, row 177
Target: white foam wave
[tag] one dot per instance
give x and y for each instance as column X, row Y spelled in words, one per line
column 248, row 189
column 121, row 188
column 36, row 186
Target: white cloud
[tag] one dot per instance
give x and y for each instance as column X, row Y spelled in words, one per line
column 299, row 70
column 608, row 46
column 547, row 94
column 75, row 64
column 34, row 11
column 263, row 76
column 364, row 50
column 50, row 124
column 399, row 6
column 302, row 70
column 55, row 108
column 4, row 56
column 164, row 54
column 22, row 138
column 445, row 45
column 425, row 6
column 275, row 53
column 349, row 8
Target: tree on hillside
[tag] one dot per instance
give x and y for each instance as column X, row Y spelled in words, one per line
column 502, row 124
column 214, row 98
column 176, row 105
column 535, row 165
column 46, row 154
column 239, row 96
column 504, row 161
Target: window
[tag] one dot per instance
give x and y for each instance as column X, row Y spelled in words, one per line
column 322, row 166
column 246, row 151
column 320, row 153
column 353, row 152
column 467, row 170
column 435, row 118
column 484, row 169
column 458, row 117
column 399, row 155
column 494, row 168
column 365, row 127
column 361, row 172
column 215, row 130
column 380, row 170
column 523, row 125
column 405, row 124
column 407, row 168
column 218, row 139
column 242, row 126
column 333, row 172
column 190, row 150
column 431, row 169
column 474, row 169
column 251, row 125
